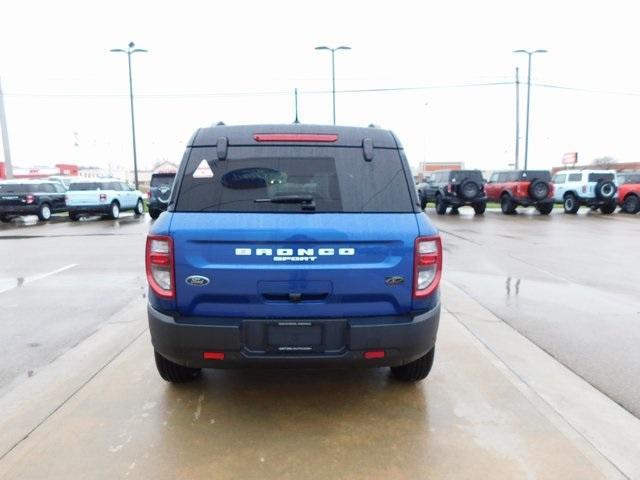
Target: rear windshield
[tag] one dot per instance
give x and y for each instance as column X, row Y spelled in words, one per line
column 630, row 178
column 84, row 186
column 458, row 176
column 159, row 180
column 16, row 188
column 596, row 177
column 334, row 179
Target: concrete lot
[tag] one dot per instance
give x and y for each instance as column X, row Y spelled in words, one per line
column 495, row 405
column 571, row 284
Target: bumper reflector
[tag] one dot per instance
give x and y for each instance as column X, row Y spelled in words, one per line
column 213, row 355
column 371, row 354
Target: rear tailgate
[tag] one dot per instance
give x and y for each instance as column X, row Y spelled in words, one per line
column 285, row 266
column 83, row 198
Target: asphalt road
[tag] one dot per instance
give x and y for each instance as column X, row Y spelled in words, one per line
column 571, row 284
column 59, row 282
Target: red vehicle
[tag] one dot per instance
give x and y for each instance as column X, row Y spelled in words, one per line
column 629, row 192
column 513, row 188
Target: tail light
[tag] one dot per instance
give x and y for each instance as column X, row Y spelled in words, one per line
column 523, row 189
column 452, row 188
column 160, row 267
column 30, row 199
column 103, row 197
column 66, row 199
column 427, row 268
column 149, row 195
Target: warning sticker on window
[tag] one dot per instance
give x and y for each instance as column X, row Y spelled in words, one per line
column 203, row 170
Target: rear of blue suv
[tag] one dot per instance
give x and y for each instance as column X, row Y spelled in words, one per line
column 293, row 245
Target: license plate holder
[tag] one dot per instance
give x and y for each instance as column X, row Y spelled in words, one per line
column 295, row 337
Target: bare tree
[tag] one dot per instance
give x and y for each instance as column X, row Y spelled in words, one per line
column 604, row 162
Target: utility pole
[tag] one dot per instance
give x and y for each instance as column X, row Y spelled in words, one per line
column 517, row 117
column 526, row 138
column 333, row 73
column 129, row 51
column 295, row 93
column 5, row 137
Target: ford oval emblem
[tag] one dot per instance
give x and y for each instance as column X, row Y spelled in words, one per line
column 197, row 280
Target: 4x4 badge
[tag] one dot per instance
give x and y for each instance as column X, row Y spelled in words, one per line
column 197, row 280
column 395, row 280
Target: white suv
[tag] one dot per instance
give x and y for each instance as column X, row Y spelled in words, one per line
column 594, row 188
column 103, row 196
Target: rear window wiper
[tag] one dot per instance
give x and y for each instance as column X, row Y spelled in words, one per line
column 306, row 201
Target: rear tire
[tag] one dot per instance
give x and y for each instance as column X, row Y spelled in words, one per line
column 507, row 205
column 44, row 212
column 631, row 204
column 154, row 214
column 5, row 219
column 479, row 208
column 74, row 217
column 571, row 204
column 608, row 208
column 114, row 211
column 441, row 206
column 139, row 210
column 174, row 373
column 545, row 208
column 417, row 370
column 423, row 203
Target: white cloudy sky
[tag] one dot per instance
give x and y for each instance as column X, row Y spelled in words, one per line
column 212, row 61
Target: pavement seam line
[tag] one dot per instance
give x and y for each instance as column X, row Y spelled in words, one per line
column 73, row 394
column 531, row 389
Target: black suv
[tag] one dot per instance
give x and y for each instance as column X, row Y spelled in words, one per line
column 454, row 188
column 30, row 197
column 159, row 193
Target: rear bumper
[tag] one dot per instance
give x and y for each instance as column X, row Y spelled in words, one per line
column 530, row 202
column 75, row 209
column 456, row 201
column 19, row 209
column 404, row 338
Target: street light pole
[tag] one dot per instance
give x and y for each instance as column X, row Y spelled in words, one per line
column 129, row 51
column 526, row 139
column 333, row 74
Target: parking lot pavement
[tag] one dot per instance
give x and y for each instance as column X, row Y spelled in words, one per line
column 569, row 283
column 470, row 419
column 59, row 282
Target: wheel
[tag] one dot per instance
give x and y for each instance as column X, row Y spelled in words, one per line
column 507, row 205
column 608, row 208
column 139, row 210
column 153, row 213
column 631, row 204
column 545, row 208
column 417, row 370
column 479, row 208
column 571, row 205
column 114, row 211
column 174, row 373
column 605, row 189
column 44, row 213
column 5, row 219
column 539, row 189
column 74, row 217
column 468, row 189
column 441, row 205
column 423, row 203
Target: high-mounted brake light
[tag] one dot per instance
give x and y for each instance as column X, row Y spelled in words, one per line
column 295, row 137
column 427, row 268
column 160, row 266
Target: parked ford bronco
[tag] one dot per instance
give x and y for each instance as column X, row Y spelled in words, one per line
column 454, row 188
column 293, row 245
column 629, row 192
column 159, row 193
column 594, row 188
column 30, row 197
column 513, row 188
column 104, row 196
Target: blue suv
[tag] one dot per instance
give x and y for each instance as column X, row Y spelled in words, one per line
column 293, row 246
